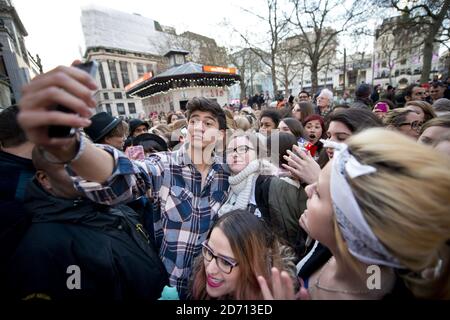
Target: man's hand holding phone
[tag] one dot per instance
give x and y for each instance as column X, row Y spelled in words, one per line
column 64, row 86
column 66, row 131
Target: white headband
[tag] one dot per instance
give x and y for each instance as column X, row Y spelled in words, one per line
column 361, row 241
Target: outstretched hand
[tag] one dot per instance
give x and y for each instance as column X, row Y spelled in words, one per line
column 282, row 286
column 67, row 86
column 302, row 165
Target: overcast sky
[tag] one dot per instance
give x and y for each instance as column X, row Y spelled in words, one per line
column 54, row 27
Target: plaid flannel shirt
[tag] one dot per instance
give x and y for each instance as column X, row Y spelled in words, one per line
column 183, row 211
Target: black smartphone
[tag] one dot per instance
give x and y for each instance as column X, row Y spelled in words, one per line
column 64, row 131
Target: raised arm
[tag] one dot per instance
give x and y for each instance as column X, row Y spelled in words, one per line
column 72, row 88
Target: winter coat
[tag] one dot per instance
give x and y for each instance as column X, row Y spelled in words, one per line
column 76, row 249
column 281, row 205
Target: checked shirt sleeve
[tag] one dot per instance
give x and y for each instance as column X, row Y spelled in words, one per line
column 129, row 180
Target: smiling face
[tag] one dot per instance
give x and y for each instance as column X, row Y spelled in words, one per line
column 240, row 153
column 317, row 219
column 313, row 131
column 337, row 132
column 219, row 283
column 203, row 129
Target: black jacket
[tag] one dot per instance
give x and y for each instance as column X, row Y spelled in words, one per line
column 281, row 205
column 115, row 259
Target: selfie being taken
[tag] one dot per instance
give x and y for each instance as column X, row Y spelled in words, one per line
column 233, row 153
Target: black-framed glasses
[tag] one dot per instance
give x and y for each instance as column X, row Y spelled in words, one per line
column 414, row 125
column 239, row 150
column 225, row 264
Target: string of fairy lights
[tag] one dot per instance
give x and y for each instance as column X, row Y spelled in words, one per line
column 184, row 83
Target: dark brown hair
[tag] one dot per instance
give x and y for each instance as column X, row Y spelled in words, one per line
column 356, row 119
column 255, row 248
column 207, row 105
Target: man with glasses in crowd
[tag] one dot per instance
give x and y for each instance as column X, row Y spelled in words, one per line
column 304, row 96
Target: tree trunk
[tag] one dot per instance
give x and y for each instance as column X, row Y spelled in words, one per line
column 274, row 78
column 390, row 75
column 427, row 57
column 286, row 87
column 242, row 85
column 428, row 44
column 314, row 85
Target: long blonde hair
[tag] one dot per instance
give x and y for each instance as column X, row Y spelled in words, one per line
column 407, row 205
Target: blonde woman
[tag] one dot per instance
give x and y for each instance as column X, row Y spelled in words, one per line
column 381, row 203
column 422, row 108
column 242, row 123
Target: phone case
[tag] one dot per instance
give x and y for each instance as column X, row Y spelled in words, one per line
column 135, row 153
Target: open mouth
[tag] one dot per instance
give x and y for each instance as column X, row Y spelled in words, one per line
column 213, row 282
column 312, row 136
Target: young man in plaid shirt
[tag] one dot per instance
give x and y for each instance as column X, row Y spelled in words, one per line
column 188, row 185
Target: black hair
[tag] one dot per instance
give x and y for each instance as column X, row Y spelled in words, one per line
column 11, row 134
column 356, row 119
column 286, row 141
column 304, row 91
column 207, row 105
column 295, row 126
column 409, row 89
column 272, row 114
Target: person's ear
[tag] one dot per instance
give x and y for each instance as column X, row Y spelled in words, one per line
column 43, row 180
column 107, row 140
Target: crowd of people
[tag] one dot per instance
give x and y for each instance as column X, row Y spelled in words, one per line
column 291, row 201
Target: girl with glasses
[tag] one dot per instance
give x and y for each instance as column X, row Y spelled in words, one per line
column 239, row 248
column 405, row 121
column 255, row 187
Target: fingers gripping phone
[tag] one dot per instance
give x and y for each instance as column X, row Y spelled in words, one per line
column 64, row 131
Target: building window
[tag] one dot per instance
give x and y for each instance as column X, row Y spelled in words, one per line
column 131, row 107
column 105, row 95
column 150, row 68
column 117, row 95
column 113, row 74
column 108, row 108
column 383, row 64
column 140, row 69
column 99, row 108
column 124, row 72
column 120, row 108
column 102, row 75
